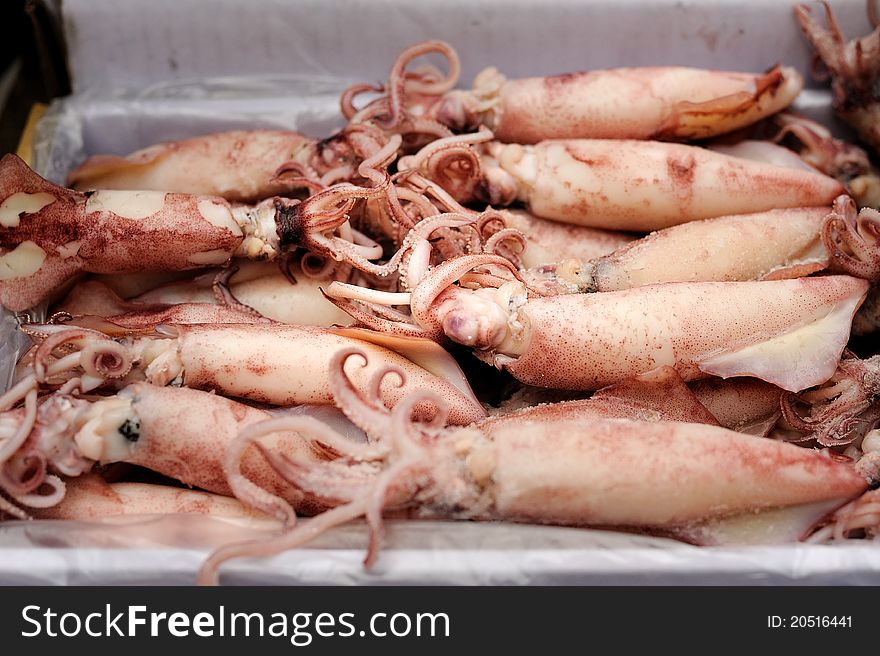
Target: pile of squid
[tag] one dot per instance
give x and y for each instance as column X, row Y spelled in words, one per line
column 636, row 299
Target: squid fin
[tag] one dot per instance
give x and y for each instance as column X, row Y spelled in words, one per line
column 799, row 358
column 771, row 526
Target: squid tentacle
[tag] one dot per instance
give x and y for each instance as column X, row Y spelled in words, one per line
column 853, row 239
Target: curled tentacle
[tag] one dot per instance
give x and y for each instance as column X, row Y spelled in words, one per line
column 346, row 100
column 451, row 162
column 428, row 80
column 20, row 390
column 842, row 410
column 329, row 210
column 455, row 167
column 366, row 411
column 317, row 267
column 415, row 245
column 61, row 338
column 242, row 487
column 47, row 500
column 23, row 474
column 105, row 359
column 297, row 174
column 42, row 438
column 419, row 233
column 100, row 356
column 497, row 239
column 853, row 239
column 509, row 243
column 399, row 84
column 431, row 189
column 374, row 167
column 374, row 388
column 425, row 208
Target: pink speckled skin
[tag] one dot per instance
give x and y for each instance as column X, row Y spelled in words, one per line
column 238, row 165
column 639, row 103
column 645, row 185
column 620, row 472
column 91, row 498
column 587, row 341
column 76, row 235
column 288, row 365
column 721, row 249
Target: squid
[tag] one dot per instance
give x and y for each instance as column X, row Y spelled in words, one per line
column 673, row 103
column 788, row 332
column 847, row 162
column 181, row 433
column 244, row 165
column 90, row 498
column 794, row 242
column 260, row 286
column 723, row 249
column 616, row 185
column 807, row 145
column 277, row 364
column 48, row 234
column 854, row 69
column 624, row 103
column 648, row 476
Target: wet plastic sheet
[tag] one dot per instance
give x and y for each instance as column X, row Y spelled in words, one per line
column 169, row 551
column 146, row 72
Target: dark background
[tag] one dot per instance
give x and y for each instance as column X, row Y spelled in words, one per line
column 29, row 34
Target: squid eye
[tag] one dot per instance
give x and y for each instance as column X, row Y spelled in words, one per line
column 130, row 430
